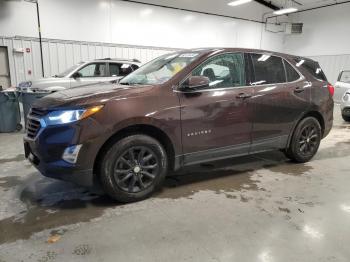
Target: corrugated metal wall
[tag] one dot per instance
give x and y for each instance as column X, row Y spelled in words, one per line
column 333, row 64
column 60, row 54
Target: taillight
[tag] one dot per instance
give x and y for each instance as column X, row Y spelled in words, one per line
column 330, row 89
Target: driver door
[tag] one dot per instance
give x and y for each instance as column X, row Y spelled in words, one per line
column 216, row 120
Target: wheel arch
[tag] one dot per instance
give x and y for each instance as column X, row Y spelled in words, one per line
column 145, row 129
column 314, row 114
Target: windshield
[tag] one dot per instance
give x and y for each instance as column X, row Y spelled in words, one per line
column 69, row 70
column 160, row 70
column 345, row 77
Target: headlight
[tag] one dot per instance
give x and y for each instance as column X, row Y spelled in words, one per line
column 68, row 116
column 25, row 84
column 346, row 97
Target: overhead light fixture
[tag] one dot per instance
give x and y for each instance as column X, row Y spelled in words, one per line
column 239, row 2
column 285, row 11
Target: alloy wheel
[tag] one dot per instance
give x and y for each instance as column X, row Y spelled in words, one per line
column 136, row 169
column 308, row 140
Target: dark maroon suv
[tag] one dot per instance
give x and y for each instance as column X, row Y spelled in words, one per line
column 180, row 109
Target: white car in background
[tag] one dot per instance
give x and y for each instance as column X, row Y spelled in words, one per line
column 345, row 106
column 342, row 85
column 84, row 73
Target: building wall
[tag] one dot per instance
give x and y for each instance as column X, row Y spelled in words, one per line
column 114, row 21
column 325, row 37
column 97, row 29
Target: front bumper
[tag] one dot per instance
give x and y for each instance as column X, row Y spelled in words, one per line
column 46, row 150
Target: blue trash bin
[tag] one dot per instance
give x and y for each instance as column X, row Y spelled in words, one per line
column 10, row 115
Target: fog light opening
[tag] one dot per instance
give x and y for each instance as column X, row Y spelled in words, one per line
column 71, row 153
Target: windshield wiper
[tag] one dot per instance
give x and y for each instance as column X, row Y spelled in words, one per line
column 124, row 83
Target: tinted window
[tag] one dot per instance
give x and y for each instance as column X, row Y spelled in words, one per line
column 312, row 67
column 118, row 69
column 268, row 69
column 225, row 70
column 292, row 74
column 94, row 70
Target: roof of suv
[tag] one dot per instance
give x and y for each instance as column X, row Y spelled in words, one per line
column 236, row 49
column 120, row 60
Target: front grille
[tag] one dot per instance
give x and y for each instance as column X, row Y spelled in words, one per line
column 33, row 122
column 36, row 112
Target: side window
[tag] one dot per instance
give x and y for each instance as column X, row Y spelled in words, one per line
column 134, row 67
column 268, row 69
column 225, row 70
column 292, row 74
column 118, row 69
column 94, row 70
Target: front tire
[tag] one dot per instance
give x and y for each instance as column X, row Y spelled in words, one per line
column 133, row 168
column 305, row 140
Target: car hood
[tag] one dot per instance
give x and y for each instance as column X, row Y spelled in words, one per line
column 48, row 81
column 90, row 95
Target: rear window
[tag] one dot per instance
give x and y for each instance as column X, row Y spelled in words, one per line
column 312, row 67
column 268, row 69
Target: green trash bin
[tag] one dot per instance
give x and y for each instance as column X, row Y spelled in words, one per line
column 28, row 98
column 10, row 115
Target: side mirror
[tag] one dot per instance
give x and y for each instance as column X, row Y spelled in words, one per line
column 76, row 75
column 195, row 82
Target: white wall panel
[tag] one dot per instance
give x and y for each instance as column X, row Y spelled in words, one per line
column 59, row 55
column 326, row 32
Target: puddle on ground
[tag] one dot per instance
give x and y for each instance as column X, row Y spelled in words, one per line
column 339, row 149
column 52, row 203
column 9, row 181
column 227, row 176
column 290, row 168
column 19, row 157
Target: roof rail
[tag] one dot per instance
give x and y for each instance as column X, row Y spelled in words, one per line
column 121, row 59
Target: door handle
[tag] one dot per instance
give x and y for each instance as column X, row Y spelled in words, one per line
column 299, row 90
column 243, row 95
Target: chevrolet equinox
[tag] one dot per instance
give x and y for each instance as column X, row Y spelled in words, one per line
column 180, row 109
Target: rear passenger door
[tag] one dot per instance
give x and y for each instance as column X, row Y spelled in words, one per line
column 280, row 97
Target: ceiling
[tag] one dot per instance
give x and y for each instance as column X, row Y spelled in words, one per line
column 304, row 4
column 252, row 10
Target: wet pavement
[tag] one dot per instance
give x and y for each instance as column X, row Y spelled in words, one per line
column 255, row 208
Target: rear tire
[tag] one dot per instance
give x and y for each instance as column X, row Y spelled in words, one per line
column 305, row 140
column 346, row 118
column 133, row 168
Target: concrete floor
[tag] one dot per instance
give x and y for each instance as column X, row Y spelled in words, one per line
column 257, row 208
